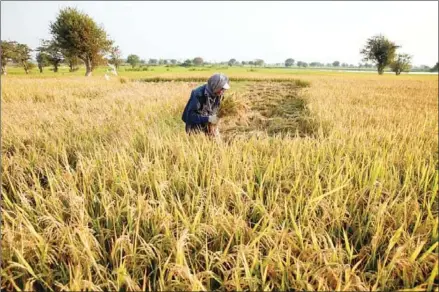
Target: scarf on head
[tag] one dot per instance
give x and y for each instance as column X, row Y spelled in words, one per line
column 215, row 83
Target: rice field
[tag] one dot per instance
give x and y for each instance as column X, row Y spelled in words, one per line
column 319, row 182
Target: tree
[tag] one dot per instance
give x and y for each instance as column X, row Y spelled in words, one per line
column 153, row 61
column 7, row 54
column 232, row 62
column 336, row 63
column 42, row 61
column 379, row 50
column 55, row 56
column 259, row 62
column 173, row 61
column 402, row 63
column 198, row 61
column 133, row 60
column 251, row 63
column 21, row 56
column 187, row 63
column 116, row 57
column 289, row 62
column 302, row 64
column 78, row 34
column 243, row 63
column 72, row 62
column 435, row 68
column 165, row 62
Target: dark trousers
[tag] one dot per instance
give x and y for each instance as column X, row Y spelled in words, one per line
column 195, row 129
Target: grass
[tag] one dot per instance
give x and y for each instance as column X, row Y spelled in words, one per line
column 103, row 189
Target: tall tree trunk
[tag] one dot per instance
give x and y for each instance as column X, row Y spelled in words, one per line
column 41, row 69
column 25, row 67
column 88, row 67
column 4, row 69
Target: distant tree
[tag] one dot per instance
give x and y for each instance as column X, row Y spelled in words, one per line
column 402, row 63
column 336, row 63
column 21, row 55
column 259, row 62
column 251, row 63
column 153, row 62
column 187, row 63
column 379, row 50
column 243, row 63
column 198, row 61
column 133, row 60
column 116, row 57
column 166, row 62
column 316, row 64
column 7, row 54
column 53, row 51
column 42, row 60
column 425, row 68
column 435, row 68
column 173, row 61
column 232, row 62
column 289, row 62
column 71, row 61
column 77, row 33
column 141, row 62
column 299, row 63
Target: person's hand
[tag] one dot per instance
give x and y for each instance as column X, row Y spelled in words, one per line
column 213, row 119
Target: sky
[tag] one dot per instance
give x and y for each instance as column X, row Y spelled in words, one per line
column 218, row 31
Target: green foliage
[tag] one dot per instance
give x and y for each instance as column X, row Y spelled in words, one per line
column 116, row 57
column 133, row 60
column 42, row 60
column 77, row 34
column 7, row 53
column 402, row 63
column 53, row 53
column 187, row 63
column 336, row 63
column 316, row 64
column 379, row 50
column 198, row 61
column 21, row 55
column 72, row 61
column 289, row 62
column 302, row 64
column 259, row 62
column 435, row 68
column 232, row 62
column 153, row 62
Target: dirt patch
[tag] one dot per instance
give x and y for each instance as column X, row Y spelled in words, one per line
column 272, row 108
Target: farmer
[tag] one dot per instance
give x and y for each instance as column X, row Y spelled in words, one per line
column 200, row 113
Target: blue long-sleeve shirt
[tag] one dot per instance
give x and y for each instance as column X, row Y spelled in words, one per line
column 200, row 106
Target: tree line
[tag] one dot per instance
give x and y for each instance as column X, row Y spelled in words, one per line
column 77, row 39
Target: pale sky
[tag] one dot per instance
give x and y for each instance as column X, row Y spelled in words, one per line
column 218, row 31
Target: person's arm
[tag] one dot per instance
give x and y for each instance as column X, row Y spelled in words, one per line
column 192, row 111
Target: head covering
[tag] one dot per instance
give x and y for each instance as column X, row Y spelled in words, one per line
column 216, row 82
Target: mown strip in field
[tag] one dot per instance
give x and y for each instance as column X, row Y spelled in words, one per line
column 297, row 82
column 276, row 109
